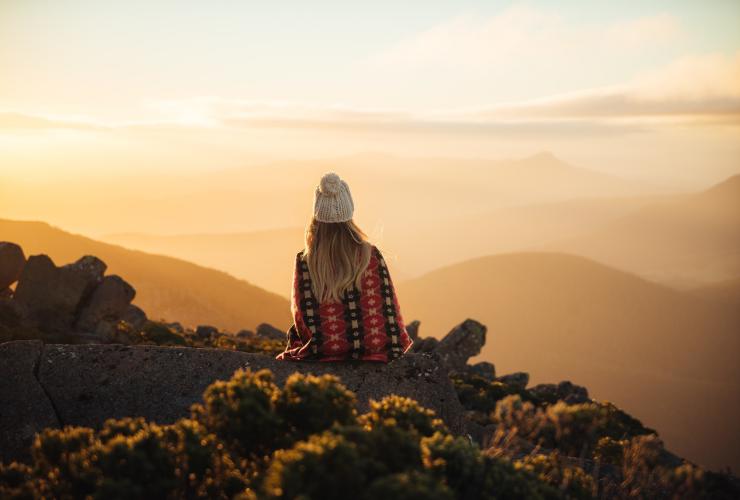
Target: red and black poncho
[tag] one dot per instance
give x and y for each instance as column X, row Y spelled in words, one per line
column 366, row 325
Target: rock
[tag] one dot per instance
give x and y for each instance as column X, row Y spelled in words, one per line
column 92, row 382
column 108, row 302
column 483, row 369
column 50, row 296
column 427, row 344
column 463, row 342
column 245, row 334
column 205, row 331
column 135, row 317
column 516, row 379
column 106, row 331
column 565, row 390
column 25, row 409
column 267, row 331
column 413, row 329
column 12, row 261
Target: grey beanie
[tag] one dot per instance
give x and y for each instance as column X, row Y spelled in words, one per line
column 332, row 200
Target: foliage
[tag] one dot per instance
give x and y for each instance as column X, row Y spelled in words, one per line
column 252, row 439
column 568, row 478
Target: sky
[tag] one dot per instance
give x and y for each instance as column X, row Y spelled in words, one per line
column 641, row 89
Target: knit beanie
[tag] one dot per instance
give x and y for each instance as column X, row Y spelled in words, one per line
column 332, row 200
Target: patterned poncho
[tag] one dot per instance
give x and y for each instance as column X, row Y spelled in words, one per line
column 366, row 325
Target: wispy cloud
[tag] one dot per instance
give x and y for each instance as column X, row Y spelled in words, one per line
column 699, row 89
column 523, row 33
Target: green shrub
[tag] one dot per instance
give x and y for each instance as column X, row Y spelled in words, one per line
column 472, row 475
column 572, row 480
column 17, row 481
column 240, row 411
column 404, row 413
column 325, row 466
column 130, row 458
column 309, row 404
column 412, row 485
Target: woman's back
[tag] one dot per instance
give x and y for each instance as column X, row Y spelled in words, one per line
column 365, row 325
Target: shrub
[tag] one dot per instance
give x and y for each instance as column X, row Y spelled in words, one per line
column 130, row 458
column 404, row 413
column 309, row 404
column 240, row 412
column 572, row 480
column 325, row 466
column 472, row 475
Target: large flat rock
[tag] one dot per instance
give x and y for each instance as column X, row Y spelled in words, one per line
column 90, row 383
column 24, row 406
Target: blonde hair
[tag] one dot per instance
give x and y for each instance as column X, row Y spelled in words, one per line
column 337, row 254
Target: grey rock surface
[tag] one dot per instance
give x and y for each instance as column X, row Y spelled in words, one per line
column 267, row 331
column 483, row 369
column 462, row 343
column 136, row 317
column 108, row 301
column 90, row 383
column 413, row 329
column 50, row 295
column 516, row 379
column 565, row 390
column 12, row 261
column 24, row 406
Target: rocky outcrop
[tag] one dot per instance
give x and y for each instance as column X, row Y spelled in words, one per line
column 76, row 300
column 25, row 408
column 267, row 331
column 12, row 261
column 462, row 343
column 86, row 384
column 565, row 390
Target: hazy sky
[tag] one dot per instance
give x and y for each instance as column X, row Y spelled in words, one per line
column 646, row 89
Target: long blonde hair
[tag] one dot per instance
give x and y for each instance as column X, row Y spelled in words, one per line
column 337, row 254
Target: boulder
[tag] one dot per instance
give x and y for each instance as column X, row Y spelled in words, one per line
column 516, row 379
column 135, row 317
column 108, row 301
column 426, row 344
column 89, row 383
column 565, row 390
column 24, row 406
column 12, row 261
column 413, row 329
column 205, row 331
column 267, row 331
column 50, row 296
column 483, row 369
column 463, row 342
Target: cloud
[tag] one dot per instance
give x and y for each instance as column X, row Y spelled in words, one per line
column 696, row 89
column 521, row 34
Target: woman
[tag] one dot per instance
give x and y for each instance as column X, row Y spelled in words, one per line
column 343, row 301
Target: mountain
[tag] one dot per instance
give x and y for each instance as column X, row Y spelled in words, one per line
column 166, row 287
column 727, row 291
column 686, row 241
column 654, row 351
column 414, row 249
column 264, row 258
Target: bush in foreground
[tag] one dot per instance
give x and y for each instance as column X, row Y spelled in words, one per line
column 253, row 439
